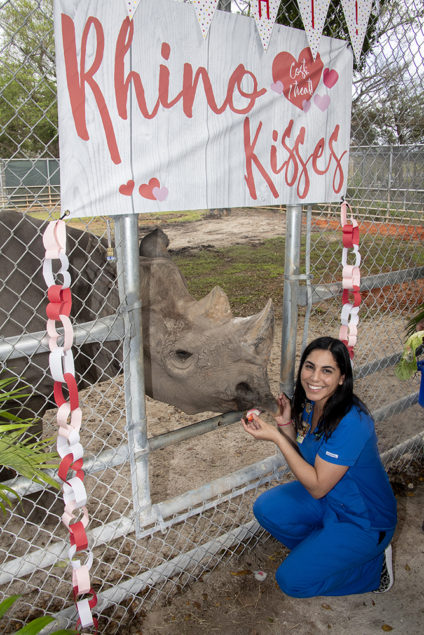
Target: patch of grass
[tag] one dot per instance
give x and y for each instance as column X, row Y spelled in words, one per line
column 380, row 254
column 97, row 224
column 185, row 216
column 250, row 274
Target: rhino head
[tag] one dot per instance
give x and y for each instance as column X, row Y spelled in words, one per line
column 197, row 356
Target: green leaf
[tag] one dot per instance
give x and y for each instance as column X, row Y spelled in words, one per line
column 6, row 427
column 35, row 626
column 4, row 496
column 7, row 603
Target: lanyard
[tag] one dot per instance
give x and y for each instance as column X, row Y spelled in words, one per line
column 306, row 421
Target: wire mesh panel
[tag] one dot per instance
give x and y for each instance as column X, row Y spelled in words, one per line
column 192, row 521
column 391, row 287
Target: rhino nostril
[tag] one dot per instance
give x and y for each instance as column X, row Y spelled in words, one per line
column 243, row 388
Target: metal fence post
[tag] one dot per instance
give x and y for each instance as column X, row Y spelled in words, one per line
column 290, row 298
column 127, row 249
column 389, row 184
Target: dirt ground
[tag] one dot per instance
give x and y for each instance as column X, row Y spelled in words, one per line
column 222, row 229
column 230, row 600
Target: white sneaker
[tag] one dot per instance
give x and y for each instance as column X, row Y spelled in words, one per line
column 387, row 578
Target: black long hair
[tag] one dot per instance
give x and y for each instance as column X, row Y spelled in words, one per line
column 339, row 404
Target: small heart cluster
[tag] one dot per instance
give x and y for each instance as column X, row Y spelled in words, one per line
column 151, row 190
column 298, row 79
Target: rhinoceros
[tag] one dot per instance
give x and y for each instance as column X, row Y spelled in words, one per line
column 197, row 356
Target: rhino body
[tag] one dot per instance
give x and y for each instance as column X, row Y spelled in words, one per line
column 196, row 355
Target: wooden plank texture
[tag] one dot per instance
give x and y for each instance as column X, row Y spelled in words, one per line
column 152, row 117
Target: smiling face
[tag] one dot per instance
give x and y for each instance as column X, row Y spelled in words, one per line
column 320, row 376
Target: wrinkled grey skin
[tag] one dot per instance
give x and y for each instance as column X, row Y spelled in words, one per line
column 196, row 355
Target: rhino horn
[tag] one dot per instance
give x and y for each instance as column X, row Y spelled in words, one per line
column 155, row 244
column 258, row 330
column 214, row 305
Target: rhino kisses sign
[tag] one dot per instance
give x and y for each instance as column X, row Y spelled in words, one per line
column 152, row 117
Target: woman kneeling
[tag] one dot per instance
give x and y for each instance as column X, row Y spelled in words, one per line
column 339, row 516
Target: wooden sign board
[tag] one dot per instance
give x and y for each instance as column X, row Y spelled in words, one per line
column 152, row 117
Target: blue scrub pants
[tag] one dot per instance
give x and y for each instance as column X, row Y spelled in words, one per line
column 328, row 556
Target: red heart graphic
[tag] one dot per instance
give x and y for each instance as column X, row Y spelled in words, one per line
column 330, row 77
column 127, row 188
column 299, row 77
column 146, row 190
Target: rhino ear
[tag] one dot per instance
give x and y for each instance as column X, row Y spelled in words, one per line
column 214, row 306
column 258, row 330
column 155, row 244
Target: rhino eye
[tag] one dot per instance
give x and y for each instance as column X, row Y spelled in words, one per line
column 182, row 356
column 179, row 360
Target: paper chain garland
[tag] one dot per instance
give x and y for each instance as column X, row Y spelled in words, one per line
column 61, row 361
column 351, row 297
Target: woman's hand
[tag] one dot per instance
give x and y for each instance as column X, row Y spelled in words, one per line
column 284, row 406
column 260, row 429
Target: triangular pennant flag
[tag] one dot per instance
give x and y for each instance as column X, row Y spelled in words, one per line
column 205, row 10
column 131, row 7
column 357, row 14
column 313, row 14
column 265, row 12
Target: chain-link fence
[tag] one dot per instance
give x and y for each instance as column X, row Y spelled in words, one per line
column 195, row 519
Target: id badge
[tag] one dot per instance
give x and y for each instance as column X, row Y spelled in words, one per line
column 302, row 434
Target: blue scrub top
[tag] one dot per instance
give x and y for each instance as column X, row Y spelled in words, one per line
column 364, row 494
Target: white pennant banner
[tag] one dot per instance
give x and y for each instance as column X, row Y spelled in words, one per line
column 131, row 7
column 265, row 13
column 357, row 14
column 205, row 10
column 313, row 14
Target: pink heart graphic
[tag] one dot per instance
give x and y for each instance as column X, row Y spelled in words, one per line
column 330, row 77
column 322, row 102
column 306, row 105
column 146, row 190
column 300, row 77
column 160, row 193
column 127, row 188
column 277, row 87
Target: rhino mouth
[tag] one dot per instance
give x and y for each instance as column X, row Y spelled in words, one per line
column 246, row 397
